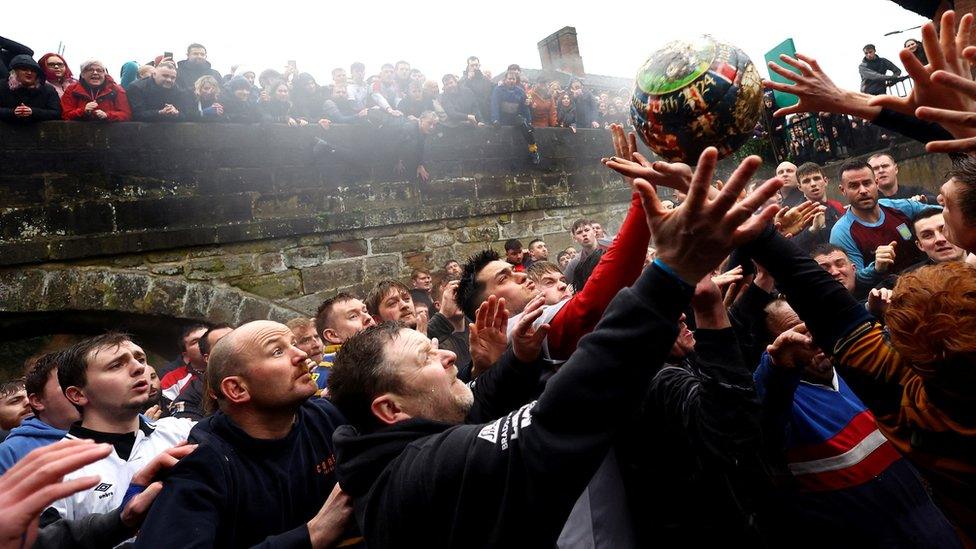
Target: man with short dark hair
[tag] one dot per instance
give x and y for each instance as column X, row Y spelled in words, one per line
column 172, row 384
column 509, row 108
column 53, row 413
column 930, row 238
column 25, row 96
column 886, row 174
column 813, row 186
column 834, row 260
column 385, row 93
column 341, row 109
column 14, row 406
column 514, row 254
column 160, row 99
column 420, row 460
column 549, row 280
column 194, row 67
column 390, row 300
column 537, row 252
column 480, row 85
column 452, row 268
column 401, row 72
column 358, row 90
column 459, row 103
column 873, row 227
column 263, row 473
column 584, row 235
column 874, row 72
column 190, row 402
column 105, row 378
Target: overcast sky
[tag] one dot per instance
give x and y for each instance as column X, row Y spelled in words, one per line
column 436, row 36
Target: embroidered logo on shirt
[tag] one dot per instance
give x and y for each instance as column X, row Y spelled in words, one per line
column 904, row 231
column 103, row 487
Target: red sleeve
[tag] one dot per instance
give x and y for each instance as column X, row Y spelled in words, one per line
column 619, row 267
column 71, row 107
column 122, row 112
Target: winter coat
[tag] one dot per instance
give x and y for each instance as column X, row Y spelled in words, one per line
column 566, row 116
column 111, row 99
column 543, row 111
column 481, row 88
column 275, row 111
column 512, row 482
column 129, row 74
column 459, row 105
column 874, row 79
column 31, row 434
column 8, row 50
column 42, row 98
column 345, row 111
column 146, row 98
column 507, row 104
column 188, row 73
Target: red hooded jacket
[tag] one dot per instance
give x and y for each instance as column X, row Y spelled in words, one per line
column 111, row 98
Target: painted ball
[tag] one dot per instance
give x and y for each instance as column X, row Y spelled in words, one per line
column 693, row 95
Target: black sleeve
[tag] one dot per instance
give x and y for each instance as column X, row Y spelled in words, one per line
column 141, row 111
column 717, row 409
column 911, row 127
column 52, row 106
column 747, row 317
column 440, row 327
column 91, row 532
column 506, row 386
column 827, row 308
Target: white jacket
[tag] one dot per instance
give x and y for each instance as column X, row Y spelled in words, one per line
column 115, row 472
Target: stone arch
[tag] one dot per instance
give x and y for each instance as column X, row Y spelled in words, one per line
column 39, row 302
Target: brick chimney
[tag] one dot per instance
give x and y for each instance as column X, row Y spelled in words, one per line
column 560, row 52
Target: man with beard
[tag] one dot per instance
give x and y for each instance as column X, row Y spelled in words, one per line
column 848, row 481
column 264, row 470
column 194, row 67
column 873, row 223
column 419, row 476
column 159, row 99
column 390, row 300
column 105, row 378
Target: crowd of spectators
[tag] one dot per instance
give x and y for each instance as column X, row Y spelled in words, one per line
column 750, row 363
column 400, row 97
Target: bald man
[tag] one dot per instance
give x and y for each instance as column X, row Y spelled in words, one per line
column 792, row 195
column 264, row 472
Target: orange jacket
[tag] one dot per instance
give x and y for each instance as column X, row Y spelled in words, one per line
column 543, row 111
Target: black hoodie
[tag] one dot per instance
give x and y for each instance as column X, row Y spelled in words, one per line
column 42, row 99
column 187, row 73
column 513, row 482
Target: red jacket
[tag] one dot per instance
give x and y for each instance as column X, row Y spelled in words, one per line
column 111, row 99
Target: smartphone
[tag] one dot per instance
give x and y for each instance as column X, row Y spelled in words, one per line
column 787, row 47
column 168, row 54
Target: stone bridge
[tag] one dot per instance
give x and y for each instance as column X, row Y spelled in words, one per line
column 143, row 227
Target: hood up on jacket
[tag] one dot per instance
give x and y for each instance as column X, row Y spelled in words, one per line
column 27, row 62
column 361, row 457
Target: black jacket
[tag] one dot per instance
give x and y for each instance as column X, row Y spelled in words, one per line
column 238, row 491
column 42, row 99
column 147, row 98
column 8, row 50
column 874, row 79
column 275, row 111
column 513, row 482
column 188, row 73
column 481, row 89
column 459, row 105
column 241, row 112
column 708, row 486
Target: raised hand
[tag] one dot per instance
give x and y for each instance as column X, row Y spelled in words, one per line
column 790, row 221
column 526, row 339
column 36, row 481
column 884, row 257
column 793, row 348
column 695, row 237
column 488, row 335
column 878, row 301
column 624, row 147
column 722, row 280
column 817, row 92
column 673, row 175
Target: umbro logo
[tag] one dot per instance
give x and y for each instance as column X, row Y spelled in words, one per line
column 103, row 487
